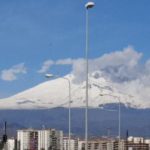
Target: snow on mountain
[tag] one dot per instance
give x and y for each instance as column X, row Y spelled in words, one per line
column 54, row 93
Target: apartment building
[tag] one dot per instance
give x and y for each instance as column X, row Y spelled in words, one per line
column 27, row 139
column 46, row 139
column 50, row 139
column 73, row 144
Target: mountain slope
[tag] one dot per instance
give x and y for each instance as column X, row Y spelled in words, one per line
column 54, row 93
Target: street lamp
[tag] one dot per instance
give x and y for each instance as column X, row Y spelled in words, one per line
column 119, row 114
column 88, row 6
column 69, row 104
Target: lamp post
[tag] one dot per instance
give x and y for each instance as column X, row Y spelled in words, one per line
column 119, row 115
column 69, row 105
column 88, row 6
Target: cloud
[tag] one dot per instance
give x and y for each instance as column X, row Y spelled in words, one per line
column 46, row 66
column 78, row 67
column 13, row 72
column 128, row 57
column 147, row 66
column 48, row 63
column 118, row 65
column 67, row 61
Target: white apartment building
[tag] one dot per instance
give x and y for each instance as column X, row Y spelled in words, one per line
column 50, row 139
column 98, row 144
column 136, row 139
column 73, row 144
column 11, row 144
column 43, row 139
column 92, row 145
column 147, row 141
column 27, row 139
column 39, row 139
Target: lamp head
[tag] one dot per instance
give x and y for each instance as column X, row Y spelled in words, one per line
column 90, row 5
column 48, row 75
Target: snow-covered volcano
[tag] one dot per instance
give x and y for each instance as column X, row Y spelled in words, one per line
column 54, row 93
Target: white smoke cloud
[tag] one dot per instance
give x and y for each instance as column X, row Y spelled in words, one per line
column 46, row 66
column 119, row 65
column 13, row 72
column 67, row 61
column 147, row 66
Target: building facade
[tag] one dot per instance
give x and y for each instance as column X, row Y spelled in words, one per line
column 73, row 144
column 30, row 139
column 27, row 139
column 50, row 139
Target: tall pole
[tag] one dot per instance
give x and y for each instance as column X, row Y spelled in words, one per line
column 119, row 119
column 88, row 5
column 69, row 114
column 87, row 70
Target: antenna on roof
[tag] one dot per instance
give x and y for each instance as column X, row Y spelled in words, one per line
column 5, row 134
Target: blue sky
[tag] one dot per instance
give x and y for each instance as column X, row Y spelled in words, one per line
column 33, row 31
